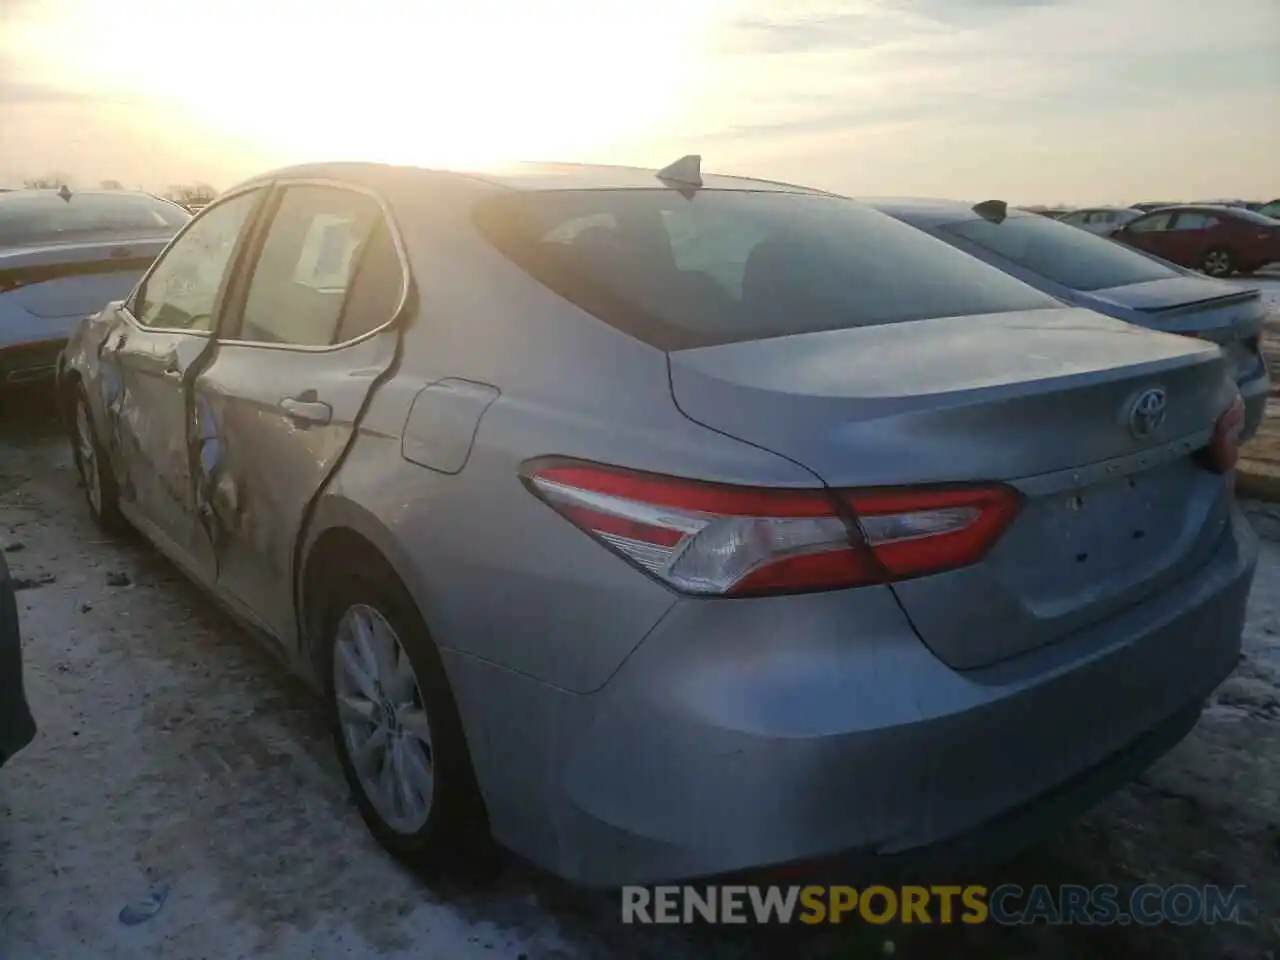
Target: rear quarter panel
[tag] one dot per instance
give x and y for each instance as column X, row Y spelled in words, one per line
column 497, row 573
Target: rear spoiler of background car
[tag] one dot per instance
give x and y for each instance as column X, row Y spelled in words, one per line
column 24, row 266
column 1241, row 296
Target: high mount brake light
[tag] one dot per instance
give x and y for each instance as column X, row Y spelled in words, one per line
column 714, row 539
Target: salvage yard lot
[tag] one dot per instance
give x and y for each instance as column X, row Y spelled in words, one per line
column 173, row 751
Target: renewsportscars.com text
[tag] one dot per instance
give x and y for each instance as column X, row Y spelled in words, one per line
column 1007, row 904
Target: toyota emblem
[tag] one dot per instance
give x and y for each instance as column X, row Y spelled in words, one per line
column 1147, row 412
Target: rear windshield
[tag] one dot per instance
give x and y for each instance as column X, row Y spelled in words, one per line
column 28, row 218
column 1249, row 216
column 721, row 266
column 1062, row 253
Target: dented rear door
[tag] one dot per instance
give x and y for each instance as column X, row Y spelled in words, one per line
column 279, row 400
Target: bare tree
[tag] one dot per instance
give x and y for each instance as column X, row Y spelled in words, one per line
column 50, row 181
column 191, row 194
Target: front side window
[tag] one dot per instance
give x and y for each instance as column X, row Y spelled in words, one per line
column 321, row 242
column 182, row 290
column 724, row 266
column 1073, row 258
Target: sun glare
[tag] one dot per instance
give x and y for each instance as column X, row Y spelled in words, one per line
column 428, row 83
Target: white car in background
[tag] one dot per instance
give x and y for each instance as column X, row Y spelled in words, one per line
column 1101, row 220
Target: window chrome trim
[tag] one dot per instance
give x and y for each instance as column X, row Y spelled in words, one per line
column 283, row 184
column 126, row 306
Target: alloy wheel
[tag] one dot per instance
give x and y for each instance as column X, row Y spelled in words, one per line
column 384, row 723
column 1217, row 263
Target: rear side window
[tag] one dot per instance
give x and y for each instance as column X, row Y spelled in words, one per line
column 723, row 266
column 1254, row 219
column 1193, row 220
column 43, row 217
column 328, row 270
column 1073, row 258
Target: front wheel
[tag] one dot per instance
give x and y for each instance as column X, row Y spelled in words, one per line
column 397, row 729
column 1218, row 262
column 99, row 484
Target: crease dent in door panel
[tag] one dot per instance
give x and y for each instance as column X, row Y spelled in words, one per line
column 408, row 309
column 205, row 454
column 443, row 420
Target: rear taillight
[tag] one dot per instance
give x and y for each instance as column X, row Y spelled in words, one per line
column 718, row 540
column 1224, row 446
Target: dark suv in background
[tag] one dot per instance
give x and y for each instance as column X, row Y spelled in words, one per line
column 64, row 255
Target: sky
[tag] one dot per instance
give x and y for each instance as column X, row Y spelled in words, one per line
column 1031, row 101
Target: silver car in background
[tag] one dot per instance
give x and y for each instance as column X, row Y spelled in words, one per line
column 659, row 525
column 1108, row 278
column 1100, row 220
column 63, row 254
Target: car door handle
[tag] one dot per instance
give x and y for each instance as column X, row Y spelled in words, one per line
column 172, row 369
column 305, row 409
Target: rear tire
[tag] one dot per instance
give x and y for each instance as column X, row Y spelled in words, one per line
column 396, row 727
column 99, row 483
column 1218, row 262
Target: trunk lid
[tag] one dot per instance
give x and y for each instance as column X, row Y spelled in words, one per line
column 72, row 280
column 1038, row 399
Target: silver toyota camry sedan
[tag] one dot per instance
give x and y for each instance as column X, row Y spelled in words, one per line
column 659, row 525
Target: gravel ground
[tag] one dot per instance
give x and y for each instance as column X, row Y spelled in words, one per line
column 172, row 751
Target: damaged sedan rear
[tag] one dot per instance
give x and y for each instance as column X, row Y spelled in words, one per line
column 658, row 525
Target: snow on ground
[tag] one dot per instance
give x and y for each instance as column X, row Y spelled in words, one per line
column 1268, row 282
column 173, row 751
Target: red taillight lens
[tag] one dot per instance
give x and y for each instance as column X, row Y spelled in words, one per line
column 719, row 540
column 927, row 530
column 1224, row 446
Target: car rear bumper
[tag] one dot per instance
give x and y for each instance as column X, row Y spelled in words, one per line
column 17, row 728
column 746, row 734
column 29, row 362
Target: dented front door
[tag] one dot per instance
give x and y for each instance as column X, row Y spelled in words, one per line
column 149, row 417
column 149, row 358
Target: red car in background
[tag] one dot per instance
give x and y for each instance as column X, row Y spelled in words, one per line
column 1218, row 240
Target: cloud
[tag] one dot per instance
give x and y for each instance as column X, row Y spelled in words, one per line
column 28, row 94
column 1045, row 96
column 835, row 63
